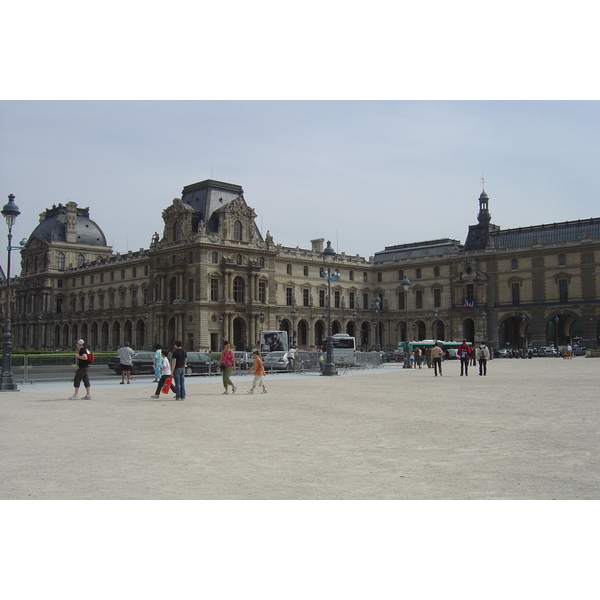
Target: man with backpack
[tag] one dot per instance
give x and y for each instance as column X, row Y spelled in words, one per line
column 84, row 358
column 464, row 353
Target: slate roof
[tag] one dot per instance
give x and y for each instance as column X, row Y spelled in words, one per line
column 566, row 231
column 417, row 250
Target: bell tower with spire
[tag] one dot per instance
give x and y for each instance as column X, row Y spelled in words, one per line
column 479, row 235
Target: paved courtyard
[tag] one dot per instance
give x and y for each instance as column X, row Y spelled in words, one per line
column 529, row 430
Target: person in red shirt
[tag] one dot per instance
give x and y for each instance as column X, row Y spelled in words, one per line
column 464, row 353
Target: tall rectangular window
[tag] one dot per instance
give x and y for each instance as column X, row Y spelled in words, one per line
column 401, row 300
column 470, row 289
column 214, row 290
column 321, row 298
column 419, row 298
column 336, row 299
column 516, row 293
column 305, row 297
column 351, row 300
column 437, row 297
column 563, row 291
column 365, row 301
column 289, row 296
column 262, row 292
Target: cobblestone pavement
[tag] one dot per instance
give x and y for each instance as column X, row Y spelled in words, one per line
column 528, row 430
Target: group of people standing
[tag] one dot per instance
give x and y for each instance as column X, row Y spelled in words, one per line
column 466, row 355
column 175, row 368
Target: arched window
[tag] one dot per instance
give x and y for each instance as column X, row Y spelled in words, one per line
column 238, row 259
column 288, row 269
column 60, row 261
column 214, row 258
column 80, row 259
column 237, row 231
column 238, row 290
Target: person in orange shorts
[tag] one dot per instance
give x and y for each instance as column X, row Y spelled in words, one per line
column 259, row 373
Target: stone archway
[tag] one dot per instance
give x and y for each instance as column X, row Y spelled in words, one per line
column 303, row 334
column 239, row 334
column 319, row 333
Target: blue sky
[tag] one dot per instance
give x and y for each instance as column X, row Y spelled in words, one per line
column 364, row 174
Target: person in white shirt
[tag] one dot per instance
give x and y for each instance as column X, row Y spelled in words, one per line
column 126, row 355
column 165, row 373
column 482, row 354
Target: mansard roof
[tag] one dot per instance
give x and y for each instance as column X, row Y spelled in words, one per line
column 567, row 231
column 418, row 250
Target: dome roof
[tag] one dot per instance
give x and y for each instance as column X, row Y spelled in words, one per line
column 54, row 227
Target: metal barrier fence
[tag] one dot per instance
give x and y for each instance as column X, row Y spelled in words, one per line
column 23, row 363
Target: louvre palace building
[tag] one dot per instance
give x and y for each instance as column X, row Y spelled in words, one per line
column 211, row 276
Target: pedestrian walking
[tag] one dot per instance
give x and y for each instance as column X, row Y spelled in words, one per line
column 436, row 358
column 126, row 359
column 483, row 355
column 227, row 365
column 418, row 357
column 259, row 373
column 464, row 352
column 178, row 364
column 428, row 357
column 81, row 356
column 165, row 373
column 411, row 359
column 157, row 362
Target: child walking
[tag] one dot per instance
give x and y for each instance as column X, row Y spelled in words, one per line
column 165, row 372
column 259, row 373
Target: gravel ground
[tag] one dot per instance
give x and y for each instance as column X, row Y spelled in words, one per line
column 529, row 430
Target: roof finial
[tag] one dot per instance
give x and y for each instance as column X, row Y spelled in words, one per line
column 482, row 182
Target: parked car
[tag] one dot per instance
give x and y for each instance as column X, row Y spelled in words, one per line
column 276, row 361
column 578, row 351
column 391, row 356
column 244, row 360
column 200, row 363
column 142, row 362
column 547, row 351
column 310, row 360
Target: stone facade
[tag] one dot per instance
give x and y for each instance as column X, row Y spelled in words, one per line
column 213, row 276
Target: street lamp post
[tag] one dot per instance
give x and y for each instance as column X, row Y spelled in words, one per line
column 557, row 321
column 377, row 305
column 329, row 260
column 405, row 283
column 10, row 212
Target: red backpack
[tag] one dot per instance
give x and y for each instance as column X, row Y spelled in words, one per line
column 90, row 356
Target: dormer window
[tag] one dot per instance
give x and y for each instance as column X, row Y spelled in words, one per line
column 237, row 231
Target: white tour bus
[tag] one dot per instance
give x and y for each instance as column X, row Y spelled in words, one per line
column 344, row 349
